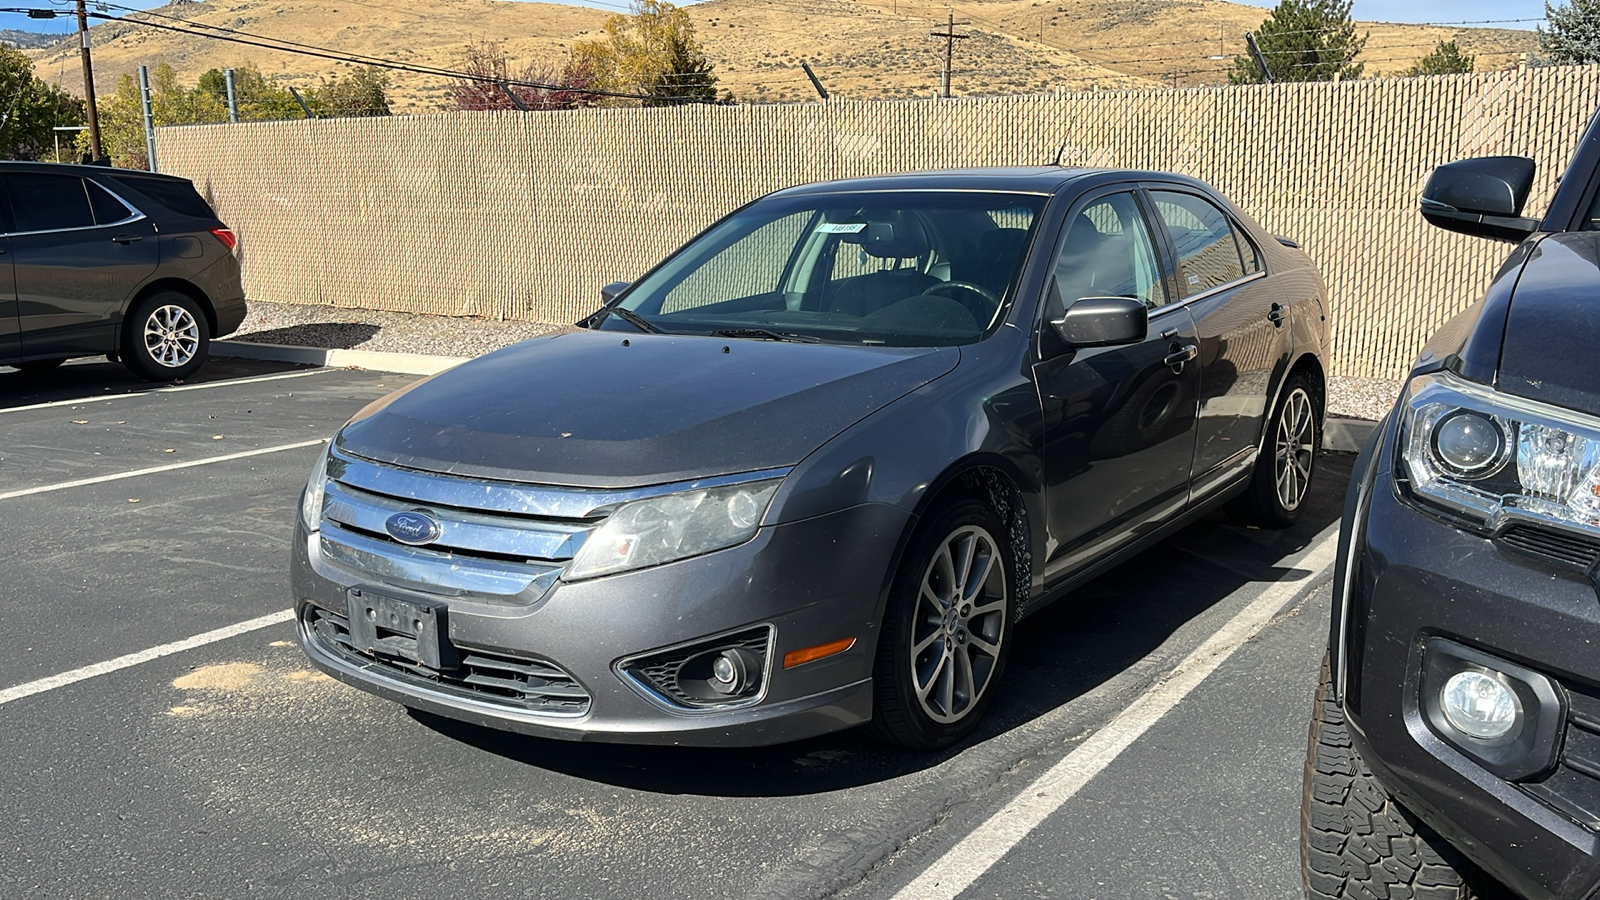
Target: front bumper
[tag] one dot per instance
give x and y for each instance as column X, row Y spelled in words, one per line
column 813, row 582
column 1413, row 577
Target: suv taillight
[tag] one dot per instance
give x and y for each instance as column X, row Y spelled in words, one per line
column 226, row 236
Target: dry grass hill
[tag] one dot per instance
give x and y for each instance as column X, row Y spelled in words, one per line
column 859, row 48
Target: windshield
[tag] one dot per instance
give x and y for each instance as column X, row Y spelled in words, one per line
column 903, row 269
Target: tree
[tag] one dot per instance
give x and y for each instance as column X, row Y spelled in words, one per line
column 490, row 67
column 1574, row 35
column 30, row 108
column 364, row 93
column 260, row 100
column 1305, row 40
column 1446, row 59
column 653, row 53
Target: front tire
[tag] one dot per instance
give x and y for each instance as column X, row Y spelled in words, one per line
column 165, row 337
column 947, row 629
column 1355, row 840
column 1281, row 480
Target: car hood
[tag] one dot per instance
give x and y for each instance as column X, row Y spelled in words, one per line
column 1552, row 330
column 607, row 409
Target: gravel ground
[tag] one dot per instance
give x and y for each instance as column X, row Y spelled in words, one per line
column 327, row 326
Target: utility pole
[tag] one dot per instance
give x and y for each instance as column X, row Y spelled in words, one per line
column 950, row 38
column 88, row 82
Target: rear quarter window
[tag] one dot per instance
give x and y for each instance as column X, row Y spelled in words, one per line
column 177, row 196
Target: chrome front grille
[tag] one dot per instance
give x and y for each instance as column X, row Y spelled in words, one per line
column 495, row 539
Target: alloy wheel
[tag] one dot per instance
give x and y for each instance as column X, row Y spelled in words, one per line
column 1296, row 449
column 171, row 336
column 958, row 624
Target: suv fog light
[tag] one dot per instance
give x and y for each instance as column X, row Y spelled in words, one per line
column 1480, row 705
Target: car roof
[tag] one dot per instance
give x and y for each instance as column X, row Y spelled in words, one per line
column 1015, row 179
column 9, row 165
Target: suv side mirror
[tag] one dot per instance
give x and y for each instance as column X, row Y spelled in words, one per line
column 1103, row 322
column 1482, row 197
column 610, row 291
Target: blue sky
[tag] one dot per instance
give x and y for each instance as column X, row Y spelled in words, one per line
column 1372, row 10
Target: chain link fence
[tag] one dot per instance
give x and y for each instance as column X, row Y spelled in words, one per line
column 526, row 215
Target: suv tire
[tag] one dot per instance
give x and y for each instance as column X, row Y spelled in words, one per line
column 165, row 337
column 1355, row 840
column 1282, row 477
column 941, row 634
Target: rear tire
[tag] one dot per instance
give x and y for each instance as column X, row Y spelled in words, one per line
column 1355, row 840
column 947, row 630
column 165, row 337
column 1281, row 480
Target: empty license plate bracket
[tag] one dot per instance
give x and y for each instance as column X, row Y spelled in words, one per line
column 412, row 630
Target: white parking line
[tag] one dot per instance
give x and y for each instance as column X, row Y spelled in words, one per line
column 102, row 479
column 976, row 853
column 178, row 389
column 143, row 656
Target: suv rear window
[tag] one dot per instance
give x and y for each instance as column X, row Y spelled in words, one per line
column 49, row 202
column 177, row 196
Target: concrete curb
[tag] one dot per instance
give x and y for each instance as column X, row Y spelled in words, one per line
column 377, row 361
column 1346, row 435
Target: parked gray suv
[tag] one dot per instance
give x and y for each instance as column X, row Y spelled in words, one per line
column 811, row 470
column 128, row 264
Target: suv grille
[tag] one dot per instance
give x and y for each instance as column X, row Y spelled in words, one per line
column 524, row 682
column 1556, row 548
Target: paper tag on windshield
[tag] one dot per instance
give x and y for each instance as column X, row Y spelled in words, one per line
column 841, row 227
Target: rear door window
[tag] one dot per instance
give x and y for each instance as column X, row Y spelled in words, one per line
column 43, row 202
column 1208, row 253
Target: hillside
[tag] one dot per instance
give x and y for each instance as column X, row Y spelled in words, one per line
column 859, row 48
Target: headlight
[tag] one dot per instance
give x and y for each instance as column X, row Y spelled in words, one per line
column 663, row 529
column 1482, row 454
column 311, row 500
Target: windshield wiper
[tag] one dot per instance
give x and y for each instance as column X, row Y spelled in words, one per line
column 762, row 334
column 632, row 318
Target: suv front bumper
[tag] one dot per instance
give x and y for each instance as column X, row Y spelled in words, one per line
column 1414, row 579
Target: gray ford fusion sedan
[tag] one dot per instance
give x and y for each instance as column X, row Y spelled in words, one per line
column 812, row 470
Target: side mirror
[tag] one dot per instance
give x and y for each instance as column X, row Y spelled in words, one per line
column 1103, row 322
column 1481, row 197
column 610, row 291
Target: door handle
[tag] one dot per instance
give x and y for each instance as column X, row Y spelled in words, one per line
column 1181, row 355
column 126, row 239
column 1275, row 316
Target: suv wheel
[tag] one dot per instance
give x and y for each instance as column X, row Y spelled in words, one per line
column 1355, row 840
column 1282, row 476
column 947, row 630
column 165, row 337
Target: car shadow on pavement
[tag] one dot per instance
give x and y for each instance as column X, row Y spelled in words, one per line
column 1062, row 654
column 343, row 335
column 87, row 379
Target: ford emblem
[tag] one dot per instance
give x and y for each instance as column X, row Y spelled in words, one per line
column 413, row 528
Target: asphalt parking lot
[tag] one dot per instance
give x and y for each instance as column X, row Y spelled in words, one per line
column 1147, row 743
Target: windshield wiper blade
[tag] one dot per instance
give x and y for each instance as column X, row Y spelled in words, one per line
column 632, row 318
column 762, row 334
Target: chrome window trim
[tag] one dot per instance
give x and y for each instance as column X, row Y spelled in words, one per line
column 136, row 216
column 495, row 496
column 1212, row 292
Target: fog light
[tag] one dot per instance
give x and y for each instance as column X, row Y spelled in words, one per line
column 729, row 672
column 1480, row 706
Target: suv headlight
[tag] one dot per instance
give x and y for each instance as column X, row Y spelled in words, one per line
column 1481, row 454
column 676, row 526
column 311, row 499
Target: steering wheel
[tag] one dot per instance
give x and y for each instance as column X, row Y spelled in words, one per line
column 983, row 316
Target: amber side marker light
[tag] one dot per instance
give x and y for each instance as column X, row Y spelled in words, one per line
column 812, row 654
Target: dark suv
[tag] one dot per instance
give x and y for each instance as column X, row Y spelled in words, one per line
column 1455, row 742
column 108, row 261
